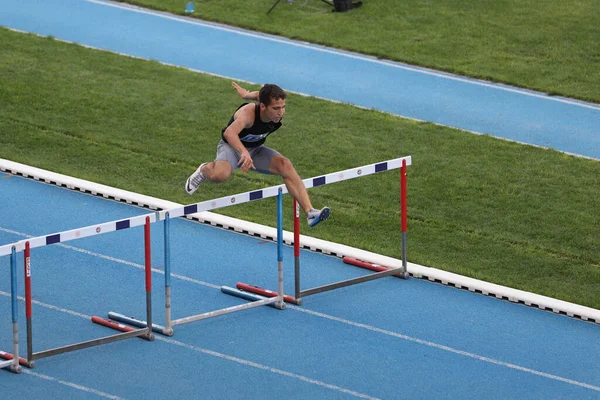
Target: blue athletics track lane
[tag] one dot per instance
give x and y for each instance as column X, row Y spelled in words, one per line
column 482, row 107
column 388, row 339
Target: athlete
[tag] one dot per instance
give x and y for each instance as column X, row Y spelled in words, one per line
column 242, row 146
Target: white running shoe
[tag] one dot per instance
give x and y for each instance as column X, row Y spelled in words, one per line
column 315, row 216
column 195, row 179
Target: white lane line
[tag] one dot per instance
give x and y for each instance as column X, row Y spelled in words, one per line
column 70, row 384
column 117, row 260
column 267, row 368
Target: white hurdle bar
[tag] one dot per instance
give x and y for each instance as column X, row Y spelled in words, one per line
column 273, row 190
column 79, row 233
column 241, row 198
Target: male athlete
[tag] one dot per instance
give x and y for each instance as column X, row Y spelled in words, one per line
column 242, row 146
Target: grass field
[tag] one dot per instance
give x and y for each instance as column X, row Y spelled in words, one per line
column 516, row 215
column 550, row 45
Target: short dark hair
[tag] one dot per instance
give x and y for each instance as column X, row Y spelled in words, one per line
column 270, row 91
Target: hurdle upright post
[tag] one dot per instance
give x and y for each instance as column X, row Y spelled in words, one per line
column 13, row 359
column 15, row 367
column 148, row 269
column 168, row 330
column 297, row 252
column 280, row 304
column 27, row 270
column 403, row 216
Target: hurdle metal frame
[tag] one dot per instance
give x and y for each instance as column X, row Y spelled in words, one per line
column 257, row 299
column 380, row 272
column 277, row 301
column 25, row 246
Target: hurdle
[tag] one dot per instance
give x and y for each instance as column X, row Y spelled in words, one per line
column 257, row 296
column 26, row 246
column 381, row 272
column 13, row 359
column 277, row 301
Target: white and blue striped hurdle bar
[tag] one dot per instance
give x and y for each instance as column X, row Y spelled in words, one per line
column 272, row 191
column 79, row 233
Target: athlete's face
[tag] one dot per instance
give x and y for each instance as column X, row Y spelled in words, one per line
column 274, row 111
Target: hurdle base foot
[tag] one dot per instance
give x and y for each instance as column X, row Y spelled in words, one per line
column 148, row 337
column 16, row 370
column 168, row 332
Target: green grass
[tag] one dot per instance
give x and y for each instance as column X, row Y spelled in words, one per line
column 550, row 46
column 490, row 209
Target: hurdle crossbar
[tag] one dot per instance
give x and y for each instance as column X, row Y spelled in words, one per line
column 401, row 272
column 272, row 191
column 84, row 232
column 79, row 233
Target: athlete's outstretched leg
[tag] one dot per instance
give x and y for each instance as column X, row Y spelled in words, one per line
column 283, row 167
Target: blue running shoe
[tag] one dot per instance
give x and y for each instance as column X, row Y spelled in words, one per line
column 315, row 216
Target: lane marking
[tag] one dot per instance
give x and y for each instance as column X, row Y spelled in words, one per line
column 70, row 384
column 267, row 368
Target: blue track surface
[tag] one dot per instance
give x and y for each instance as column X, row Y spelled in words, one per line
column 386, row 339
column 482, row 107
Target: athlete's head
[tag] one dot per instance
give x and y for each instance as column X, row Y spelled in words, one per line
column 272, row 102
column 270, row 92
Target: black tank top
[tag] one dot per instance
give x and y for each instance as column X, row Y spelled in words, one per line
column 257, row 133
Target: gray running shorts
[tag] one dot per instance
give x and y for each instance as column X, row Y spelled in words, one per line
column 261, row 156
